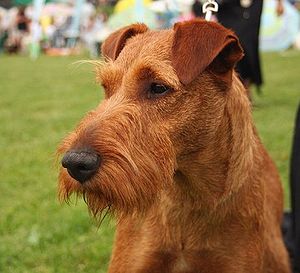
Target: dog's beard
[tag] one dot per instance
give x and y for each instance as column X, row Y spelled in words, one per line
column 138, row 162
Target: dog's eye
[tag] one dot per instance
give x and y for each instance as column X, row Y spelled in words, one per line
column 157, row 89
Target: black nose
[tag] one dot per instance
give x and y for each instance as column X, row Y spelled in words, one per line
column 81, row 165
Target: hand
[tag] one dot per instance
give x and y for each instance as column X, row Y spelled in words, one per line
column 279, row 8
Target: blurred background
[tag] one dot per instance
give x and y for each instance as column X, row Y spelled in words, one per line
column 71, row 27
column 43, row 94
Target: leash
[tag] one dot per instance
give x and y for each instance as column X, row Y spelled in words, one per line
column 208, row 8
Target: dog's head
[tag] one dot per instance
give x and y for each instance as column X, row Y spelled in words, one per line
column 165, row 93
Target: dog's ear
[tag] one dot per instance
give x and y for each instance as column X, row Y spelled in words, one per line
column 115, row 42
column 200, row 45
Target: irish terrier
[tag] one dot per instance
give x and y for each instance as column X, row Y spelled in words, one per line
column 173, row 154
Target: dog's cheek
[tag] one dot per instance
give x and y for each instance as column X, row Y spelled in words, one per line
column 203, row 118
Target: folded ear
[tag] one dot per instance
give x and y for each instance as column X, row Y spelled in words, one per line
column 115, row 42
column 200, row 45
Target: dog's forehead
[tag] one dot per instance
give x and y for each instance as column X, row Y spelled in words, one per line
column 144, row 56
column 151, row 44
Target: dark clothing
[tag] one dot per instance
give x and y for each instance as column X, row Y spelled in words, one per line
column 197, row 9
column 245, row 22
column 22, row 26
column 291, row 220
column 295, row 193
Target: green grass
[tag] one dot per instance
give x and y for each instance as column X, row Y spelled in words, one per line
column 275, row 110
column 39, row 103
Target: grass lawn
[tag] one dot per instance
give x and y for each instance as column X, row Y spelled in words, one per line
column 39, row 103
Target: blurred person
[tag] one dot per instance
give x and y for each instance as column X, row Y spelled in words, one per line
column 3, row 32
column 95, row 33
column 60, row 28
column 88, row 35
column 197, row 8
column 22, row 21
column 243, row 17
column 166, row 17
column 18, row 32
column 48, row 29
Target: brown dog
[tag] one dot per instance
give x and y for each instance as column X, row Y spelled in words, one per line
column 173, row 153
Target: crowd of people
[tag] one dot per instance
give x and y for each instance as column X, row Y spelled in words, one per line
column 56, row 30
column 55, row 27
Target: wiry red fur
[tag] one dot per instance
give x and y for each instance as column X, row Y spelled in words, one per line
column 191, row 185
column 126, row 181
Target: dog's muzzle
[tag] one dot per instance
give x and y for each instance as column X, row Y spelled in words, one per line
column 81, row 164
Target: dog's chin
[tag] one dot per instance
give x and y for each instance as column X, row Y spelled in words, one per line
column 120, row 198
column 99, row 206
